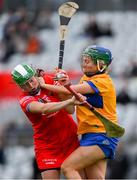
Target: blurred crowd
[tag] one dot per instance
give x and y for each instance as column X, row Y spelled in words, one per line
column 19, row 33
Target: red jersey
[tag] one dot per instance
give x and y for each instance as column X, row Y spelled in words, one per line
column 54, row 133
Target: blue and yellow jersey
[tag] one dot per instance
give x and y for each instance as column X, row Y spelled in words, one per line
column 103, row 100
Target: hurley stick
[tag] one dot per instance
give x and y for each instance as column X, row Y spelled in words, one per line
column 66, row 11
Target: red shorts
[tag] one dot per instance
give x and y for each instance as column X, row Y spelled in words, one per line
column 53, row 157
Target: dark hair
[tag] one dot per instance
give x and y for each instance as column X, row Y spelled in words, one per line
column 40, row 72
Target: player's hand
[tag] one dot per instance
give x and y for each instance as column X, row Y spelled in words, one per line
column 76, row 102
column 82, row 98
column 61, row 76
column 41, row 81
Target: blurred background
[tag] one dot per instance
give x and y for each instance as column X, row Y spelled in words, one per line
column 29, row 34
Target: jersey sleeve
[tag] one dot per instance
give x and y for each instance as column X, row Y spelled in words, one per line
column 25, row 101
column 98, row 85
column 100, row 88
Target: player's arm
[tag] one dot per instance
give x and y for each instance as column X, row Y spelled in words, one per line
column 70, row 109
column 38, row 107
column 50, row 87
column 83, row 88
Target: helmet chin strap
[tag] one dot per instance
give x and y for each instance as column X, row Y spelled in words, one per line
column 103, row 67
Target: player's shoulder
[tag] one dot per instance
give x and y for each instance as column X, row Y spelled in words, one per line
column 101, row 77
column 25, row 98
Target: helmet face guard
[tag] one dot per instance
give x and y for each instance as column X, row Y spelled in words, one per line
column 97, row 53
column 22, row 73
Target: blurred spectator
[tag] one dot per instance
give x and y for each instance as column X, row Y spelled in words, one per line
column 15, row 26
column 94, row 30
column 8, row 42
column 24, row 24
column 2, row 156
column 11, row 132
column 118, row 168
column 123, row 97
column 2, row 146
column 33, row 45
column 133, row 71
column 36, row 173
column 43, row 20
column 19, row 35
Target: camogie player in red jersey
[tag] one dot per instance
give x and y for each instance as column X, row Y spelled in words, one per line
column 55, row 132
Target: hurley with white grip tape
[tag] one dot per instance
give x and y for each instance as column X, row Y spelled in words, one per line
column 66, row 11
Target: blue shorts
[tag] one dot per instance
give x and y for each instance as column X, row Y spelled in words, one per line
column 108, row 145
